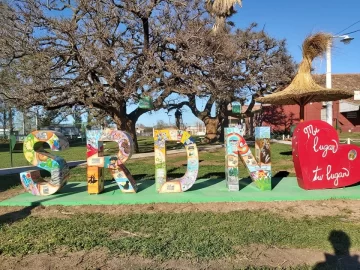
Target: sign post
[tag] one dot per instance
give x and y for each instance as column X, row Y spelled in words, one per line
column 145, row 102
column 236, row 107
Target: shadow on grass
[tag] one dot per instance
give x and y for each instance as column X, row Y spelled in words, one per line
column 67, row 190
column 185, row 164
column 110, row 186
column 341, row 259
column 244, row 182
column 275, row 180
column 12, row 217
column 9, row 181
column 354, row 185
column 142, row 185
column 286, row 153
column 139, row 177
column 215, row 174
column 207, row 183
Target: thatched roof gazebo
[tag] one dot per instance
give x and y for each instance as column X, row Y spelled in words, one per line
column 303, row 89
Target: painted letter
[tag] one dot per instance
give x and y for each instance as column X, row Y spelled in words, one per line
column 260, row 169
column 179, row 184
column 96, row 160
column 37, row 156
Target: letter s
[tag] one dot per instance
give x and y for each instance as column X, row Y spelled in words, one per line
column 37, row 156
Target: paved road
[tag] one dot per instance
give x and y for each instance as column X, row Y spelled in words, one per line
column 280, row 141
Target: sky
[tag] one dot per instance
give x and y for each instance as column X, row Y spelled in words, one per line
column 294, row 20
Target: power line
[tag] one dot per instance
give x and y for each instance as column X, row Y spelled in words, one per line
column 347, row 28
column 352, row 32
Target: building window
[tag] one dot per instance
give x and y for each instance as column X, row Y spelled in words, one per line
column 351, row 115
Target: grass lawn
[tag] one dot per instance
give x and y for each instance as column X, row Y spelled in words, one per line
column 171, row 235
column 351, row 135
column 354, row 137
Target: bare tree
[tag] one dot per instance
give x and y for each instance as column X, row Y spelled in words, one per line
column 100, row 54
column 160, row 124
column 226, row 68
column 47, row 118
column 106, row 55
column 7, row 108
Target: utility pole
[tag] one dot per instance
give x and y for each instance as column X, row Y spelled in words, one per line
column 329, row 107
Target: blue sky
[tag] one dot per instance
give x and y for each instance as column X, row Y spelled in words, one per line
column 294, row 21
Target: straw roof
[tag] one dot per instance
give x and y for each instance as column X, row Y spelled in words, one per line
column 345, row 81
column 303, row 89
column 221, row 9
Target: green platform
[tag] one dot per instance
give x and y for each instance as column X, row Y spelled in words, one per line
column 213, row 190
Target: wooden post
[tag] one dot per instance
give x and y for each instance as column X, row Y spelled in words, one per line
column 302, row 113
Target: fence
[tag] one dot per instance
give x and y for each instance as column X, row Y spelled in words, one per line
column 349, row 141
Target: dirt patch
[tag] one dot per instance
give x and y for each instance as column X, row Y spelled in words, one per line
column 255, row 255
column 297, row 209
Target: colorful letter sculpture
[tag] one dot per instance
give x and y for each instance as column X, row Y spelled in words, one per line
column 37, row 156
column 320, row 162
column 235, row 146
column 262, row 147
column 179, row 184
column 96, row 160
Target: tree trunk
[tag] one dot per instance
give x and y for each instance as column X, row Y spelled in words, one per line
column 223, row 120
column 214, row 125
column 211, row 125
column 251, row 119
column 130, row 128
column 23, row 122
column 4, row 122
column 247, row 126
column 302, row 112
column 11, row 121
column 223, row 124
column 124, row 123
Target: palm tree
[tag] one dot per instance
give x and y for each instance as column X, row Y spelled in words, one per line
column 221, row 9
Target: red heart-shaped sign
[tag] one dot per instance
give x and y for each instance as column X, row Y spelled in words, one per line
column 320, row 160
